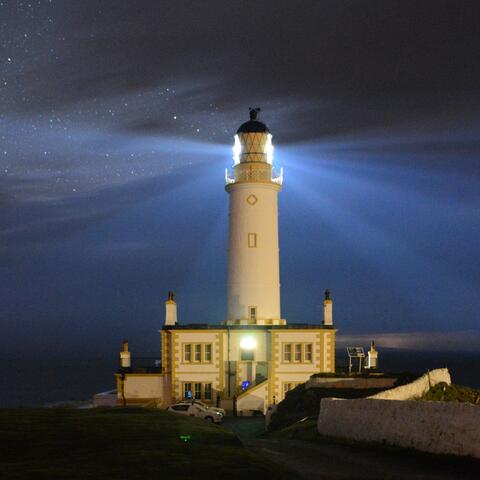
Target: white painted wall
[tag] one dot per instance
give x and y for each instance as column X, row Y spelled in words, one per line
column 253, row 273
column 435, row 427
column 416, row 388
column 254, row 399
column 139, row 386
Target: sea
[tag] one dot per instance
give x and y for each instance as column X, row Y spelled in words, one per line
column 47, row 381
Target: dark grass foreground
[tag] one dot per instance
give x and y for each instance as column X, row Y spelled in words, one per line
column 121, row 444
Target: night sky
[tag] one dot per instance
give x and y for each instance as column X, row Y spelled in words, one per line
column 116, row 125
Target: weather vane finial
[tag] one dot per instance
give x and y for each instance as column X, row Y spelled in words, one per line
column 254, row 112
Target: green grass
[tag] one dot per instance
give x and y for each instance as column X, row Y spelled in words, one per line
column 306, row 430
column 452, row 393
column 121, row 444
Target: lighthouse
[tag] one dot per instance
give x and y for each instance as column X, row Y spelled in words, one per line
column 252, row 359
column 253, row 285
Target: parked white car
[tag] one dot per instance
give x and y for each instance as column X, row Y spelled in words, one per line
column 196, row 410
column 204, row 405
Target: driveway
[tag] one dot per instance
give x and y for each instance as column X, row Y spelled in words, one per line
column 327, row 460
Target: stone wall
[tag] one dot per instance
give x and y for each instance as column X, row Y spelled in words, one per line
column 350, row 382
column 436, row 427
column 416, row 388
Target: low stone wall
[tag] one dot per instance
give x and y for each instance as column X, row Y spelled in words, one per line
column 105, row 399
column 436, row 427
column 350, row 382
column 416, row 388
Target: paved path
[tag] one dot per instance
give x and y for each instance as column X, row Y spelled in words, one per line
column 325, row 460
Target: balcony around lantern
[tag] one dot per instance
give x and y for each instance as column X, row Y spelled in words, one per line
column 274, row 175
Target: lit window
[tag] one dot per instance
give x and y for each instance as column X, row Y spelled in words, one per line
column 198, row 391
column 187, row 353
column 252, row 240
column 252, row 313
column 298, row 352
column 308, row 352
column 198, row 352
column 287, row 352
column 208, row 353
column 207, row 395
column 187, row 390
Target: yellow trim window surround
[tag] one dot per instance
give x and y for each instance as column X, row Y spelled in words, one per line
column 197, row 353
column 197, row 391
column 297, row 353
column 287, row 386
column 252, row 240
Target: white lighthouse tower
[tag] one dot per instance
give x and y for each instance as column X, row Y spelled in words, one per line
column 253, row 252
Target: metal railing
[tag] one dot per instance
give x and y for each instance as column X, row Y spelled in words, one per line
column 273, row 175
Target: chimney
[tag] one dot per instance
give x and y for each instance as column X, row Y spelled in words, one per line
column 327, row 309
column 170, row 310
column 372, row 356
column 125, row 356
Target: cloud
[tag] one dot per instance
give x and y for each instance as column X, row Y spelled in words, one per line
column 465, row 341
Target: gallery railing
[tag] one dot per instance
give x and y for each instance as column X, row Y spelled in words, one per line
column 273, row 175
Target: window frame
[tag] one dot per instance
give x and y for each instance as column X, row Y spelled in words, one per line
column 205, row 389
column 296, row 352
column 191, row 352
column 209, row 390
column 309, row 352
column 197, row 393
column 187, row 347
column 252, row 240
column 185, row 389
column 207, row 347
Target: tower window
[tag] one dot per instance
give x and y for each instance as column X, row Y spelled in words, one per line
column 252, row 240
column 252, row 313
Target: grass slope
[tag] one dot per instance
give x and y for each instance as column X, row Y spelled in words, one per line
column 452, row 393
column 121, row 444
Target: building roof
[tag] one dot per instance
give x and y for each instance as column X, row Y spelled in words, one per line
column 253, row 126
column 207, row 326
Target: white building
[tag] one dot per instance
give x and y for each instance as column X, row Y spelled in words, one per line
column 254, row 356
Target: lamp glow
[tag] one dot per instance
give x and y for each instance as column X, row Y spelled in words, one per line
column 237, row 150
column 248, row 343
column 269, row 148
